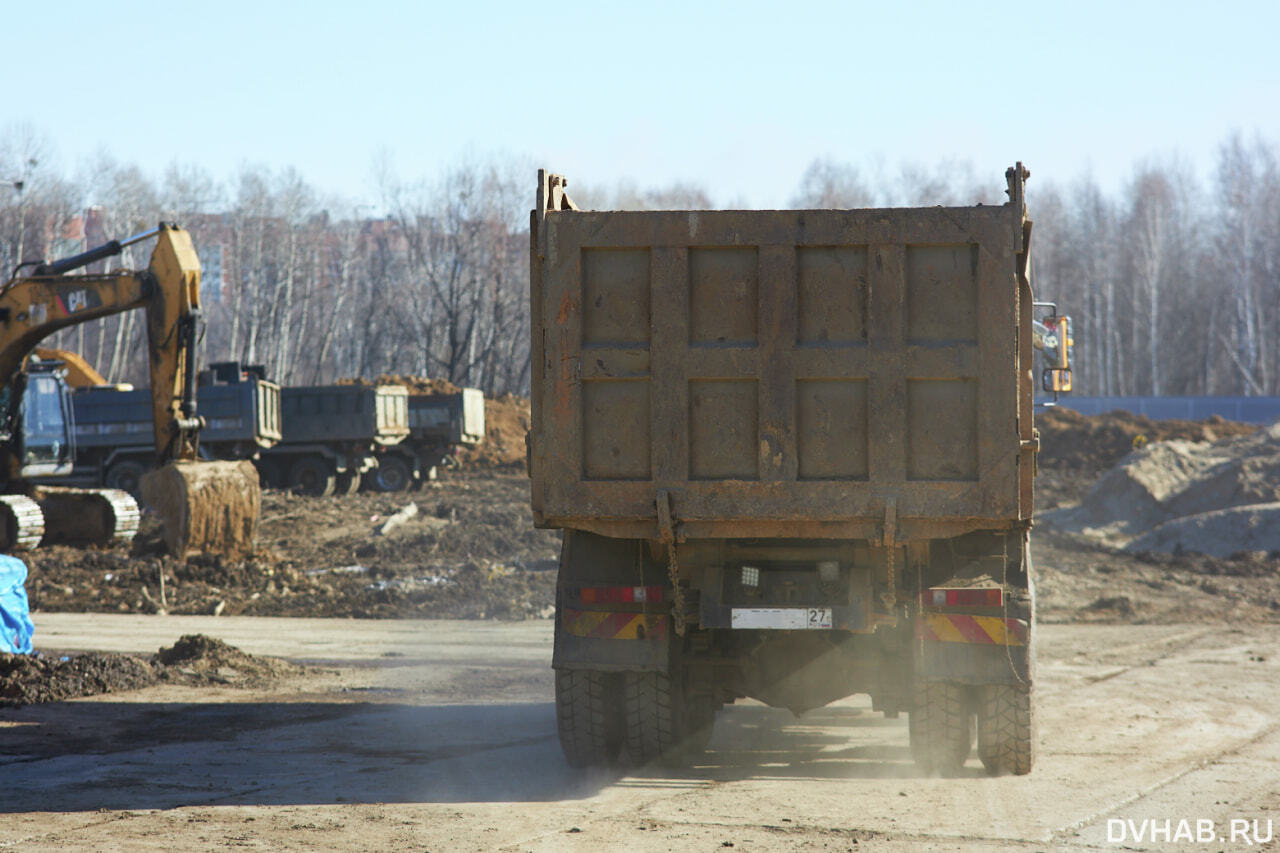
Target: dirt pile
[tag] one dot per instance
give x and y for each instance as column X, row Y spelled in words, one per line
column 200, row 659
column 195, row 660
column 1216, row 498
column 415, row 384
column 28, row 679
column 1095, row 443
column 506, row 422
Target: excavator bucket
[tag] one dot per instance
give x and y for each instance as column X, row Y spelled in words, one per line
column 210, row 507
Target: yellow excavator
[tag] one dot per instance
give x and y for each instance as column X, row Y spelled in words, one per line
column 211, row 507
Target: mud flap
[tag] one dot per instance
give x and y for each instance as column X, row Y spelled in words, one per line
column 972, row 649
column 611, row 640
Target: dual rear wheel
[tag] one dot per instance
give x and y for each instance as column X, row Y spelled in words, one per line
column 630, row 718
column 946, row 716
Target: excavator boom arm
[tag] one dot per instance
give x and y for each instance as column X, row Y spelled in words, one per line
column 169, row 289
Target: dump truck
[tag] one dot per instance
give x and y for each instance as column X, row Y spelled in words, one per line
column 439, row 424
column 791, row 453
column 113, row 426
column 330, row 434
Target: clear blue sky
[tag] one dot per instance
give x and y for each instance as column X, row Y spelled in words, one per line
column 736, row 96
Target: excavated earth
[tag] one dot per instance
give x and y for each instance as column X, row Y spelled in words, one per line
column 195, row 660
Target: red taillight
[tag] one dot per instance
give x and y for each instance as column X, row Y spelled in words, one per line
column 970, row 597
column 619, row 594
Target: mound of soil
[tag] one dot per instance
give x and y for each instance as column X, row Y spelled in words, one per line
column 1216, row 498
column 1094, row 443
column 415, row 384
column 200, row 659
column 195, row 660
column 27, row 679
column 506, row 423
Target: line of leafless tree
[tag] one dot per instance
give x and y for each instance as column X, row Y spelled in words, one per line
column 1174, row 280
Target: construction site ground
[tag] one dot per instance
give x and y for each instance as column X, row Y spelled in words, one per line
column 434, row 730
column 440, row 735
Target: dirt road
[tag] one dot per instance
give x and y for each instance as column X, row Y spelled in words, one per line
column 416, row 735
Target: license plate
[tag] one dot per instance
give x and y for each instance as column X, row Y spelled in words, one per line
column 782, row 618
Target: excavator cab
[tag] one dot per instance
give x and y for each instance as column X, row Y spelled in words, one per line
column 47, row 446
column 39, row 434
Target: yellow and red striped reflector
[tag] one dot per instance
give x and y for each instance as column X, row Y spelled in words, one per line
column 965, row 597
column 619, row 594
column 963, row 628
column 606, row 625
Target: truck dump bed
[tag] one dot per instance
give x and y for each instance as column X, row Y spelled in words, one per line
column 814, row 373
column 247, row 413
column 448, row 419
column 359, row 413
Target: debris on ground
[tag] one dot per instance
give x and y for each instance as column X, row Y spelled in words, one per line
column 195, row 660
column 470, row 552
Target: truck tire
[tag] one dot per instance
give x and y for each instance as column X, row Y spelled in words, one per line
column 589, row 716
column 661, row 723
column 125, row 475
column 1006, row 728
column 312, row 475
column 393, row 474
column 941, row 727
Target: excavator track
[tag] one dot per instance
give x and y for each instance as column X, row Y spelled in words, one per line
column 23, row 523
column 88, row 516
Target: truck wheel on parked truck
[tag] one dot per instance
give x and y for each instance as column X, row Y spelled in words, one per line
column 125, row 475
column 1006, row 730
column 312, row 475
column 941, row 726
column 393, row 474
column 589, row 716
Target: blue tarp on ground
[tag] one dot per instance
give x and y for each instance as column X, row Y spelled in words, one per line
column 15, row 615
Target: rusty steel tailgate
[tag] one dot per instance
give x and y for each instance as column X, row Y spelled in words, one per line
column 816, row 373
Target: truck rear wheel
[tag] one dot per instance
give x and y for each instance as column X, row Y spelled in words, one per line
column 941, row 727
column 1006, row 730
column 313, row 476
column 393, row 474
column 662, row 723
column 589, row 716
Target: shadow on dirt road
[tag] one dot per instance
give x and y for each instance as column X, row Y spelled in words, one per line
column 90, row 754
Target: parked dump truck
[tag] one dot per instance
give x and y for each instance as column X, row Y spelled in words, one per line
column 438, row 425
column 792, row 455
column 330, row 436
column 113, row 427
